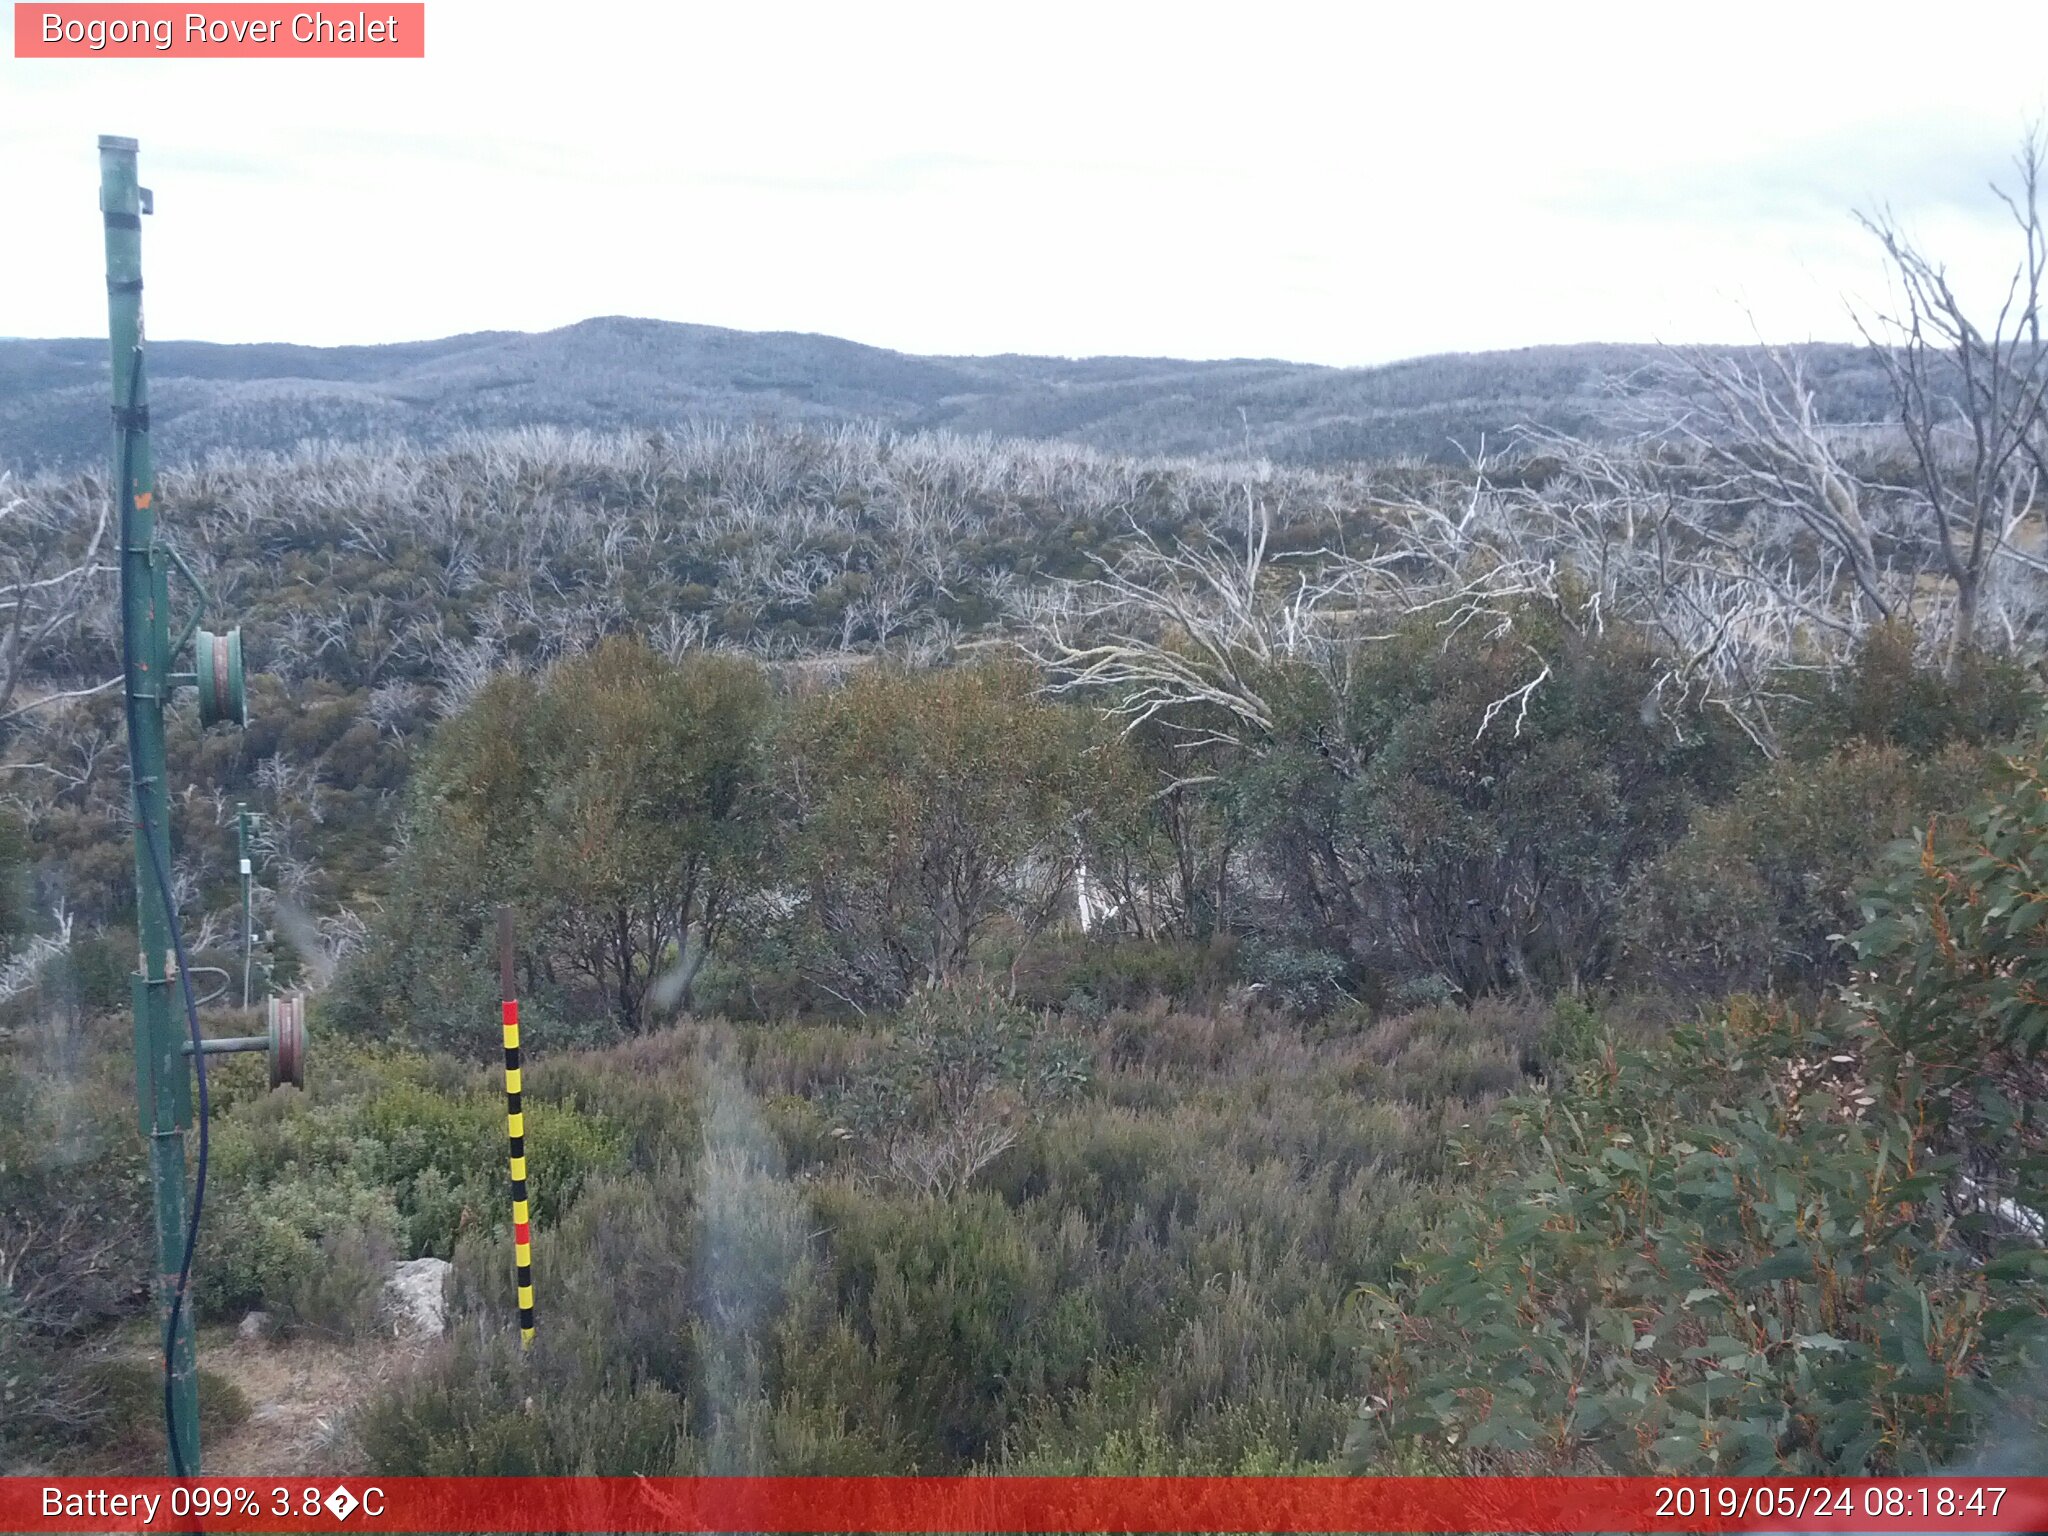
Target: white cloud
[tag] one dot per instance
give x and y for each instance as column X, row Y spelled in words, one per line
column 1335, row 183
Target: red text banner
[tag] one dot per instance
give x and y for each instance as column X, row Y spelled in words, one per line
column 1025, row 1504
column 227, row 31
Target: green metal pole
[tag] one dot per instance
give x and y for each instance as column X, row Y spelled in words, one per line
column 248, row 929
column 163, row 1075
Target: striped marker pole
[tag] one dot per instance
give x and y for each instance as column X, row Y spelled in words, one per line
column 515, row 1127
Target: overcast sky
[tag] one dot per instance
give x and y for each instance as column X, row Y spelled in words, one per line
column 1333, row 183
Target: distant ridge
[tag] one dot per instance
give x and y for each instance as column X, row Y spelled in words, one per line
column 614, row 372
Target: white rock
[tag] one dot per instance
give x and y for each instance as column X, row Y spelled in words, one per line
column 415, row 1299
column 255, row 1326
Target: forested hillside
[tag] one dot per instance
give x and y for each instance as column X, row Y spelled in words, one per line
column 1037, row 958
column 1384, row 795
column 612, row 373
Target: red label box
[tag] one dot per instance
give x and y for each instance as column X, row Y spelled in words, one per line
column 376, row 30
column 1048, row 1506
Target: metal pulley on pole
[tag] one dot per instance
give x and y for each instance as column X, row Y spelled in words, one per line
column 222, row 700
column 285, row 1039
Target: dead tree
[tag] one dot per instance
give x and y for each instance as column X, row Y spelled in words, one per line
column 1196, row 626
column 1762, row 450
column 51, row 559
column 1970, row 400
column 1692, row 542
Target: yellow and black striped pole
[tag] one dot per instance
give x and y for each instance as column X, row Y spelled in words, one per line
column 515, row 1127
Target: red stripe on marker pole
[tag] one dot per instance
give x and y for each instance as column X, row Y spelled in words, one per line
column 1056, row 1505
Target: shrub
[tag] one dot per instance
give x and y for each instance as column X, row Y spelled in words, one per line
column 1716, row 1257
column 1098, row 975
column 1119, row 1427
column 73, row 1192
column 1411, row 826
column 955, row 1083
column 1305, row 982
column 634, row 1104
column 471, row 1410
column 99, row 966
column 45, row 1400
column 1774, row 1244
column 427, row 978
column 1573, row 1034
column 1953, row 984
column 128, row 1421
column 311, row 1251
column 388, row 1153
column 1169, row 1253
column 1445, row 1054
column 1891, row 698
column 87, row 1411
column 961, row 1308
column 1760, row 892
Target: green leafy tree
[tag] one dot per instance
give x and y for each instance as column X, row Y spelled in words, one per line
column 920, row 808
column 1164, row 850
column 1454, row 808
column 614, row 802
column 648, row 822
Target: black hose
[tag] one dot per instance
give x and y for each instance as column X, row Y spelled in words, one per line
column 126, row 492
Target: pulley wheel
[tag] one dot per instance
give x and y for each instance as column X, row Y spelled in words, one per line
column 288, row 1040
column 218, row 663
